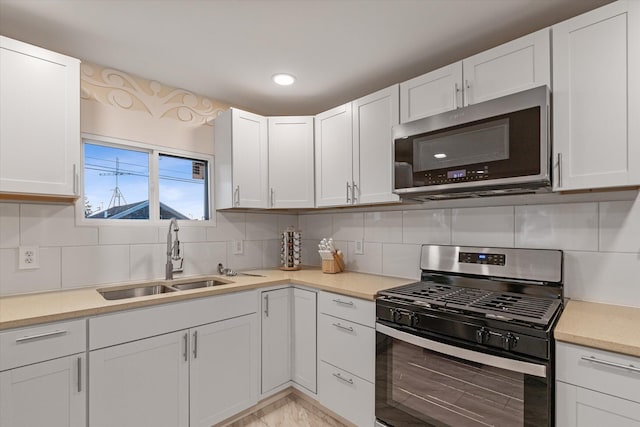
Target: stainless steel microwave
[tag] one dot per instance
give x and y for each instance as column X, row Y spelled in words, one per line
column 501, row 146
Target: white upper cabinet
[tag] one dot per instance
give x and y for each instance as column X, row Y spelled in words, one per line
column 241, row 160
column 291, row 162
column 40, row 121
column 354, row 151
column 334, row 157
column 373, row 118
column 511, row 67
column 431, row 93
column 596, row 98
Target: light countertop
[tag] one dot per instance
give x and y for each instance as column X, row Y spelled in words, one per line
column 32, row 309
column 602, row 326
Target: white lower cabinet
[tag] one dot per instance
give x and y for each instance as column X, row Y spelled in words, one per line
column 276, row 338
column 346, row 354
column 304, row 367
column 51, row 393
column 43, row 375
column 596, row 388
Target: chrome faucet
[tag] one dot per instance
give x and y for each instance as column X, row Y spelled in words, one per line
column 173, row 251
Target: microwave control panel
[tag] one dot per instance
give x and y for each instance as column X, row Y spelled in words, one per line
column 456, row 175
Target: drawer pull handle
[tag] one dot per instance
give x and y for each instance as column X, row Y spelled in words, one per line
column 346, row 328
column 346, row 380
column 38, row 336
column 339, row 301
column 612, row 364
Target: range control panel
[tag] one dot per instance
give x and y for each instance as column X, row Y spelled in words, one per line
column 482, row 258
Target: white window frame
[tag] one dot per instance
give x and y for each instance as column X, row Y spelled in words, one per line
column 154, row 196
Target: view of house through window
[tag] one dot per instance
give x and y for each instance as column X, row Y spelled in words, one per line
column 119, row 183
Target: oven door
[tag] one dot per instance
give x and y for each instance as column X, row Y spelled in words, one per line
column 421, row 382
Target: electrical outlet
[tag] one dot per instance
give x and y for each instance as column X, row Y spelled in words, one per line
column 359, row 249
column 28, row 257
column 238, row 247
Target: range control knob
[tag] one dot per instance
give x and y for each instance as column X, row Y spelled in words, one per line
column 509, row 341
column 482, row 335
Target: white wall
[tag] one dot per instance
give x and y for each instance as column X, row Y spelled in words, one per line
column 601, row 240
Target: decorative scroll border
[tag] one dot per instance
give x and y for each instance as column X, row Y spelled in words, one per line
column 121, row 90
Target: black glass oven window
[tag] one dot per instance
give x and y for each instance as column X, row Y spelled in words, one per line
column 415, row 387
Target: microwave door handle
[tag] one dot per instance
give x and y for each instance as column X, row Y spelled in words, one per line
column 465, row 354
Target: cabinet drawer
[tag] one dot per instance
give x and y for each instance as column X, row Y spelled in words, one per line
column 346, row 395
column 348, row 345
column 25, row 346
column 348, row 308
column 599, row 371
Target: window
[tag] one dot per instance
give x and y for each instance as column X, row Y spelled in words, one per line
column 133, row 181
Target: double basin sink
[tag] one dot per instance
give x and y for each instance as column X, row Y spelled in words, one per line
column 156, row 289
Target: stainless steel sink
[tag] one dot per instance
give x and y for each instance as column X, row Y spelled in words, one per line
column 197, row 285
column 138, row 291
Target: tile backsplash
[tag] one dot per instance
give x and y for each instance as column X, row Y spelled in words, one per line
column 601, row 241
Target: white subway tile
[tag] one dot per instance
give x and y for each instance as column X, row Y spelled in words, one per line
column 148, row 261
column 385, row 227
column 309, row 253
column 572, row 226
column 316, row 226
column 53, row 225
column 431, row 226
column 94, row 265
column 127, row 235
column 348, row 226
column 620, row 226
column 488, row 226
column 610, row 278
column 229, row 226
column 186, row 233
column 401, row 260
column 9, row 225
column 250, row 259
column 369, row 262
column 203, row 258
column 262, row 226
column 271, row 254
column 15, row 281
column 285, row 221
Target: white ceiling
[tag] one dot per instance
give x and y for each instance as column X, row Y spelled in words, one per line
column 228, row 50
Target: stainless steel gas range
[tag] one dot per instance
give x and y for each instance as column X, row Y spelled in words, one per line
column 471, row 344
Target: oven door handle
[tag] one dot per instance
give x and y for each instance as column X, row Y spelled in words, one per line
column 463, row 353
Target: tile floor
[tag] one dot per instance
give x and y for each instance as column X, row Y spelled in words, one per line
column 289, row 411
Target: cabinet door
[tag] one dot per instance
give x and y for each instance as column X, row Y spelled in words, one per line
column 142, row 383
column 40, row 120
column 596, row 98
column 304, row 338
column 431, row 93
column 276, row 341
column 333, row 157
column 515, row 66
column 250, row 157
column 373, row 118
column 224, row 369
column 291, row 162
column 48, row 394
column 581, row 407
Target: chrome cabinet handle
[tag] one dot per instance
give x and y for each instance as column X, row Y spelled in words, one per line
column 456, row 90
column 354, row 192
column 348, row 192
column 185, row 353
column 236, row 202
column 339, row 301
column 272, row 197
column 559, row 169
column 593, row 359
column 195, row 344
column 346, row 328
column 75, row 179
column 79, row 374
column 38, row 336
column 467, row 92
column 341, row 378
column 266, row 305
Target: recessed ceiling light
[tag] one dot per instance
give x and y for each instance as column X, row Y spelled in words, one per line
column 440, row 155
column 283, row 79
